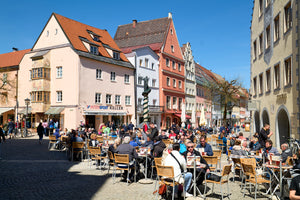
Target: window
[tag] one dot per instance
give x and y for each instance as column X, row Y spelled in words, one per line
column 254, row 50
column 108, row 99
column 140, row 80
column 254, row 86
column 171, row 31
column 96, row 38
column 58, row 96
column 174, row 83
column 167, row 62
column 58, row 72
column 117, row 99
column 154, row 102
column 153, row 82
column 127, row 100
column 152, row 64
column 112, row 76
column 98, row 73
column 98, row 98
column 126, row 78
column 268, row 80
column 268, row 37
column 174, row 103
column 276, row 77
column 40, row 96
column 260, row 7
column 261, row 44
column 179, row 84
column 287, row 17
column 94, row 50
column 140, row 101
column 172, row 48
column 288, row 71
column 40, row 73
column 179, row 103
column 168, row 103
column 146, row 62
column 141, row 62
column 168, row 81
column 261, row 84
column 179, row 67
column 116, row 55
column 276, row 28
column 173, row 64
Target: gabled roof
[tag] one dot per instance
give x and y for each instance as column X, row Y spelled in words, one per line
column 146, row 33
column 12, row 59
column 77, row 32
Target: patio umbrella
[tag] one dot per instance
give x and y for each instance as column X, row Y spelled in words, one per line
column 193, row 119
column 183, row 115
column 202, row 117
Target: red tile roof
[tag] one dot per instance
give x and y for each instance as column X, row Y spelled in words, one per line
column 12, row 58
column 74, row 30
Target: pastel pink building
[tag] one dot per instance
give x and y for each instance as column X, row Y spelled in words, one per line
column 75, row 72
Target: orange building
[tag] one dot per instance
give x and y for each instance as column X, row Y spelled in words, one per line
column 160, row 36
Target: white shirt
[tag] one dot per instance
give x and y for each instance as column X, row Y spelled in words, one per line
column 170, row 161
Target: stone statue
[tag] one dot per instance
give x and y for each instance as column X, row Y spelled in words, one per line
column 147, row 90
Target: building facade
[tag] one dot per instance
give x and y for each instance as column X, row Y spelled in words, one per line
column 76, row 74
column 146, row 64
column 160, row 36
column 274, row 67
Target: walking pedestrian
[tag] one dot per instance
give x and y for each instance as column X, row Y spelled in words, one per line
column 11, row 127
column 40, row 131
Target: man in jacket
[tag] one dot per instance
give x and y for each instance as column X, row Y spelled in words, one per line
column 286, row 152
column 154, row 131
column 158, row 147
column 264, row 135
column 207, row 147
column 178, row 162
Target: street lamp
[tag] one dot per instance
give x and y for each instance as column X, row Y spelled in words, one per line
column 27, row 102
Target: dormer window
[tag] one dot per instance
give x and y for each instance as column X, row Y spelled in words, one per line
column 94, row 50
column 116, row 55
column 96, row 38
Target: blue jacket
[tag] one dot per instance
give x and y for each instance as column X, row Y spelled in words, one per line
column 207, row 149
column 133, row 143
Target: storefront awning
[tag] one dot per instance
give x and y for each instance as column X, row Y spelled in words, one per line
column 95, row 112
column 3, row 110
column 186, row 116
column 54, row 110
column 23, row 112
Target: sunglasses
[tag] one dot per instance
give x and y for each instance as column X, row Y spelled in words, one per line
column 190, row 147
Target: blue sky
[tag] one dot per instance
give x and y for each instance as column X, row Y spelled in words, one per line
column 218, row 30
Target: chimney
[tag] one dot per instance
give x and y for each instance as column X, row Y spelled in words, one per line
column 170, row 15
column 134, row 22
column 15, row 49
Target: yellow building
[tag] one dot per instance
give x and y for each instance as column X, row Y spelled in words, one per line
column 274, row 68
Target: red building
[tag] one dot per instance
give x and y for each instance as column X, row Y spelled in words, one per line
column 160, row 36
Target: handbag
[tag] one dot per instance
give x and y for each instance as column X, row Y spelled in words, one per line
column 162, row 189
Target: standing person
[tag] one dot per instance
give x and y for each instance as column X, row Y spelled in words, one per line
column 45, row 125
column 2, row 135
column 154, row 131
column 40, row 132
column 130, row 126
column 11, row 127
column 264, row 134
column 51, row 126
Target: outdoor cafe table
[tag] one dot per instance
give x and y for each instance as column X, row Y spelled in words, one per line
column 279, row 167
column 144, row 152
column 195, row 165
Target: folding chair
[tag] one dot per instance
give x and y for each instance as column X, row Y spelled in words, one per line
column 218, row 153
column 156, row 161
column 211, row 160
column 52, row 140
column 122, row 163
column 224, row 178
column 111, row 160
column 77, row 147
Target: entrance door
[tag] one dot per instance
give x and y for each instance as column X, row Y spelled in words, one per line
column 90, row 121
column 283, row 126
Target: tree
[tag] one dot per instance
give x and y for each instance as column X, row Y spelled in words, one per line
column 6, row 86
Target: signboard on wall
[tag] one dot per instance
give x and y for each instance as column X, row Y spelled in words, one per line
column 252, row 106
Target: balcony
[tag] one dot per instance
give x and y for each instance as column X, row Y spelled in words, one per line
column 152, row 109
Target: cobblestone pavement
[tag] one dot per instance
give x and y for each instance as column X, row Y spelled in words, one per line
column 29, row 170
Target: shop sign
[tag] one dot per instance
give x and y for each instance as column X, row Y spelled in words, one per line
column 96, row 107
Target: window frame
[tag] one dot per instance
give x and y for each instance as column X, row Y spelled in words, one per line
column 98, row 71
column 127, row 97
column 59, row 72
column 59, row 96
column 117, row 99
column 108, row 99
column 168, row 81
column 126, row 80
column 112, row 76
column 289, row 81
column 94, row 50
column 98, row 98
column 268, row 80
column 276, row 23
column 277, row 76
column 288, row 25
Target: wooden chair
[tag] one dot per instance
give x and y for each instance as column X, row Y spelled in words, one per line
column 224, row 178
column 211, row 160
column 52, row 140
column 218, row 153
column 214, row 138
column 165, row 175
column 228, row 156
column 64, row 143
column 123, row 160
column 236, row 166
column 220, row 144
column 167, row 142
column 100, row 139
column 254, row 178
column 95, row 154
column 77, row 147
column 156, row 161
column 111, row 160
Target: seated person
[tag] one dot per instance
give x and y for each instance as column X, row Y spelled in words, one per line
column 177, row 161
column 241, row 136
column 270, row 150
column 237, row 149
column 76, row 138
column 254, row 144
column 295, row 188
column 207, row 147
column 57, row 136
column 245, row 147
column 158, row 147
column 232, row 141
column 172, row 135
column 296, row 158
column 190, row 136
column 149, row 143
column 126, row 148
column 192, row 152
column 222, row 137
column 132, row 142
column 93, row 142
column 163, row 135
column 183, row 145
column 286, row 152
